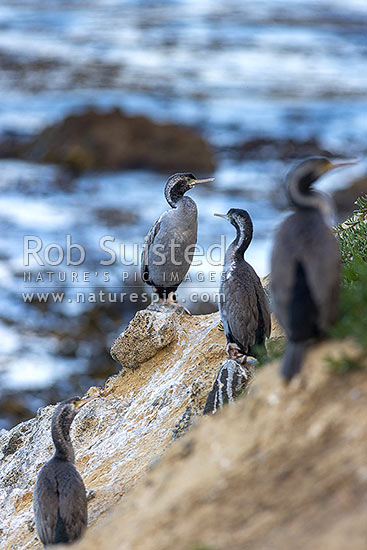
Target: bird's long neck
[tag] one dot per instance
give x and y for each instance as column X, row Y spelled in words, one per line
column 301, row 194
column 242, row 241
column 185, row 206
column 61, row 437
column 173, row 196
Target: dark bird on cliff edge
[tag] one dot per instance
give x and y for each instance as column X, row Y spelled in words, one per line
column 169, row 245
column 305, row 264
column 243, row 305
column 59, row 500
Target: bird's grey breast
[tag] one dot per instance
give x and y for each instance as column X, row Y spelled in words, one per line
column 305, row 239
column 173, row 246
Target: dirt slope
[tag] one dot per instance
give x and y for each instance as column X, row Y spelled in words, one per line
column 280, row 469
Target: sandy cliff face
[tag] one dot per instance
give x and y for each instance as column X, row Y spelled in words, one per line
column 118, row 436
column 279, row 469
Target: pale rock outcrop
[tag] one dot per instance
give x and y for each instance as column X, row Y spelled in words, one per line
column 146, row 334
column 277, row 469
column 118, row 436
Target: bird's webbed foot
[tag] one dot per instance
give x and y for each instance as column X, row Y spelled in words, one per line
column 234, row 353
column 168, row 304
column 171, row 301
column 90, row 494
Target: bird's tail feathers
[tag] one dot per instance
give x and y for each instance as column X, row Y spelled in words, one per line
column 293, row 359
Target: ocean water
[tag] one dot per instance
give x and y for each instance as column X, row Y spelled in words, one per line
column 235, row 71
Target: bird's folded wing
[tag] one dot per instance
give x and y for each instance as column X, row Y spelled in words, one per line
column 73, row 505
column 282, row 276
column 46, row 502
column 148, row 241
column 242, row 315
column 264, row 305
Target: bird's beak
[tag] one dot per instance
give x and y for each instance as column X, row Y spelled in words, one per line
column 207, row 180
column 332, row 165
column 82, row 402
column 224, row 216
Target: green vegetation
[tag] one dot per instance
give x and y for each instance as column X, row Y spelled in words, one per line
column 352, row 237
column 352, row 234
column 275, row 349
column 353, row 303
column 344, row 364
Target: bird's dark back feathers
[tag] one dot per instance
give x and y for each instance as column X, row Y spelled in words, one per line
column 244, row 308
column 305, row 268
column 61, row 534
column 60, row 503
column 303, row 312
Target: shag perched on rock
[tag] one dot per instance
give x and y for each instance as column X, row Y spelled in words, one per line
column 243, row 305
column 169, row 245
column 60, row 502
column 305, row 264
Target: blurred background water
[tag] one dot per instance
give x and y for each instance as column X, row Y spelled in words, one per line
column 254, row 78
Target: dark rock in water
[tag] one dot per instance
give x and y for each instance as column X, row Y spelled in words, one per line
column 113, row 217
column 14, row 408
column 344, row 199
column 114, row 140
column 11, row 145
column 272, row 148
column 231, row 381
